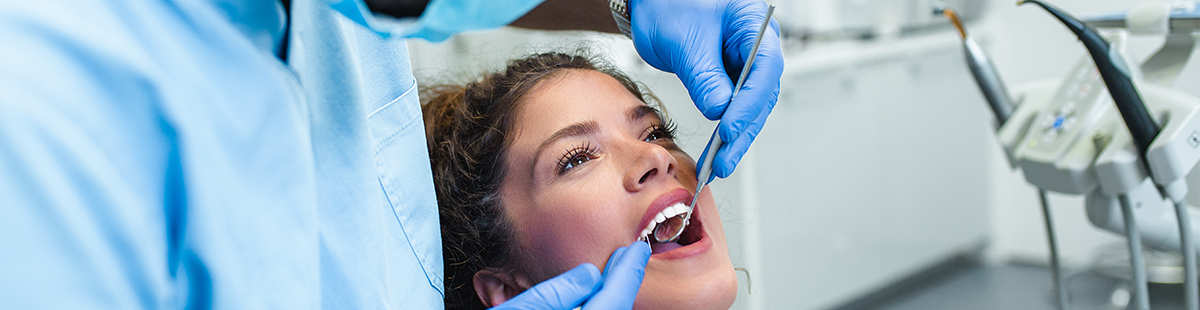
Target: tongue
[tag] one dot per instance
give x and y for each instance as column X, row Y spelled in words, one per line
column 656, row 248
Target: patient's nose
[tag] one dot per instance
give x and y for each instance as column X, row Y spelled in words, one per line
column 652, row 163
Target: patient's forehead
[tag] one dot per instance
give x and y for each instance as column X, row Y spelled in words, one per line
column 571, row 96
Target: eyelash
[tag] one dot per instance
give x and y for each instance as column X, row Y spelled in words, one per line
column 664, row 131
column 567, row 162
column 581, row 154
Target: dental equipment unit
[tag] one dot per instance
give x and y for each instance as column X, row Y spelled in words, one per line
column 675, row 224
column 1066, row 138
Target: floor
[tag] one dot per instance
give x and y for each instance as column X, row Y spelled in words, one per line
column 965, row 285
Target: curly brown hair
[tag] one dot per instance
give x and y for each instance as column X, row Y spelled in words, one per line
column 467, row 127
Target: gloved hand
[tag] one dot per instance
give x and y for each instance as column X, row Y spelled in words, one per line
column 705, row 43
column 615, row 289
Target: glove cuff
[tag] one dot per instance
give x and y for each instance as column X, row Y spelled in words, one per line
column 620, row 13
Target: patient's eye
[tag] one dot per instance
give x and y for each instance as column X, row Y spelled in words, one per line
column 576, row 157
column 661, row 131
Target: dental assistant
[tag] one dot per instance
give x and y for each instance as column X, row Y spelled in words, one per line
column 257, row 154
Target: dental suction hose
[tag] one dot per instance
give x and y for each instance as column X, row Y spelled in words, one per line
column 982, row 69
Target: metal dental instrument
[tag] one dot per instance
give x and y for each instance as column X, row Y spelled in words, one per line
column 996, row 93
column 985, row 73
column 705, row 170
column 993, row 89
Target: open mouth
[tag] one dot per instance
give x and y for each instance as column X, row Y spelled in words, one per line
column 665, row 214
column 692, row 233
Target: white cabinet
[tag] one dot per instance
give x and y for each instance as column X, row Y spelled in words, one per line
column 873, row 166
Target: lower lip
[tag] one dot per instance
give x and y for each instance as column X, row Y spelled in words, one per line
column 696, row 248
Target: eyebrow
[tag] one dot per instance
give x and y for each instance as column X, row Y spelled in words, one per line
column 638, row 112
column 591, row 126
column 577, row 129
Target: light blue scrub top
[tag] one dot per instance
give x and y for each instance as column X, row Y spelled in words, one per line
column 380, row 238
column 161, row 154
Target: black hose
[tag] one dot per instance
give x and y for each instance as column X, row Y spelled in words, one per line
column 1115, row 72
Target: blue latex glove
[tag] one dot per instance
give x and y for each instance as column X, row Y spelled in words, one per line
column 615, row 289
column 705, row 43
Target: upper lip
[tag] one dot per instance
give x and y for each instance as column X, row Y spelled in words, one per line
column 679, row 195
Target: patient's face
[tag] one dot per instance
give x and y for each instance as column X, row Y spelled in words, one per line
column 589, row 167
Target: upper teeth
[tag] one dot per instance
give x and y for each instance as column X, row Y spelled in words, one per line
column 672, row 211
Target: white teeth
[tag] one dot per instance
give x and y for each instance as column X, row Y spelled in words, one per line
column 672, row 211
column 669, row 212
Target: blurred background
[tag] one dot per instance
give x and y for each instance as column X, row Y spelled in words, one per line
column 877, row 182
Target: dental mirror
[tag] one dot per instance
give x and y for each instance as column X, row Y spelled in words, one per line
column 671, row 229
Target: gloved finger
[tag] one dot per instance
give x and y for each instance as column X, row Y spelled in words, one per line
column 759, row 89
column 737, row 50
column 775, row 26
column 691, row 48
column 708, row 84
column 731, row 153
column 563, row 292
column 622, row 280
column 613, row 258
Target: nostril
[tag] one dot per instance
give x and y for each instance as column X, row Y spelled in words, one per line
column 648, row 175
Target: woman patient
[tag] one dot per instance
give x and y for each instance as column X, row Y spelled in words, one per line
column 557, row 161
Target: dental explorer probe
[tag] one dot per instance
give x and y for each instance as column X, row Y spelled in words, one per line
column 1114, row 70
column 992, row 87
column 675, row 229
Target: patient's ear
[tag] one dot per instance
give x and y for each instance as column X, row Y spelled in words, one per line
column 495, row 286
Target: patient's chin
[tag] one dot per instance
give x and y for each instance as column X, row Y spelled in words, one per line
column 716, row 289
column 706, row 281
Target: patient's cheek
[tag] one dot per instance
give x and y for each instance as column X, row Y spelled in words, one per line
column 553, row 247
column 687, row 169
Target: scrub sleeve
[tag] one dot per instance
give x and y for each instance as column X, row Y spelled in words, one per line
column 153, row 154
column 216, row 154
